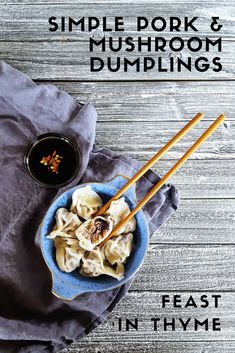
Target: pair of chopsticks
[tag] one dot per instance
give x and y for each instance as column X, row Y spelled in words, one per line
column 152, row 161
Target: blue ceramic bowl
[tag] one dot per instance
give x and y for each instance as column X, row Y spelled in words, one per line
column 67, row 286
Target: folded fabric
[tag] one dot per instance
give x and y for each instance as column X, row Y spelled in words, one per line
column 32, row 319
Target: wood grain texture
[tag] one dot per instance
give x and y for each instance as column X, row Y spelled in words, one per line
column 199, row 222
column 24, row 22
column 87, row 2
column 70, row 61
column 202, row 179
column 154, row 101
column 195, row 267
column 139, row 102
column 142, row 140
column 93, row 346
column 145, row 306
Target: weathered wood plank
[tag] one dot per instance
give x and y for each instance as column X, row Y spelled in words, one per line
column 93, row 345
column 141, row 101
column 199, row 221
column 142, row 139
column 202, row 178
column 161, row 101
column 73, row 2
column 24, row 22
column 71, row 61
column 172, row 267
column 145, row 306
column 198, row 179
column 167, row 102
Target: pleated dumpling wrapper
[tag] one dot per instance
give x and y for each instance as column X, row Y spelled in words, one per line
column 85, row 202
column 93, row 265
column 118, row 249
column 117, row 211
column 66, row 224
column 68, row 253
column 93, row 231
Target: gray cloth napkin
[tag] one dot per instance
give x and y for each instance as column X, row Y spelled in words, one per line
column 31, row 318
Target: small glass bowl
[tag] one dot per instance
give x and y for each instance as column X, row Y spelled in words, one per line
column 42, row 156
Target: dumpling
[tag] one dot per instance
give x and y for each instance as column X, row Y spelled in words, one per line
column 117, row 211
column 85, row 202
column 76, row 240
column 66, row 224
column 68, row 259
column 61, row 242
column 120, row 270
column 117, row 249
column 93, row 265
column 93, row 232
column 68, row 253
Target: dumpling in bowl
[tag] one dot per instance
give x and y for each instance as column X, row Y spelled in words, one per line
column 66, row 224
column 68, row 253
column 93, row 232
column 117, row 211
column 93, row 265
column 61, row 242
column 117, row 249
column 85, row 202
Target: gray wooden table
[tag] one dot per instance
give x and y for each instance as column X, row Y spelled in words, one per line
column 194, row 252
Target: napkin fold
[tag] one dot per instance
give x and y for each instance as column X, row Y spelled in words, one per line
column 32, row 319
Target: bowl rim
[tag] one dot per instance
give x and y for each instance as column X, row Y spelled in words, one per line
column 58, row 135
column 53, row 275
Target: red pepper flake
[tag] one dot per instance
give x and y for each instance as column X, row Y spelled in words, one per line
column 52, row 162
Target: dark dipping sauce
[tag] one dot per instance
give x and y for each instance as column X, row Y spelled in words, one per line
column 45, row 145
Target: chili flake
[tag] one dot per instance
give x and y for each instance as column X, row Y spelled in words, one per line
column 52, row 162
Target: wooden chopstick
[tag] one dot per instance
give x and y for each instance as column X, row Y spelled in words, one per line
column 152, row 161
column 177, row 165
